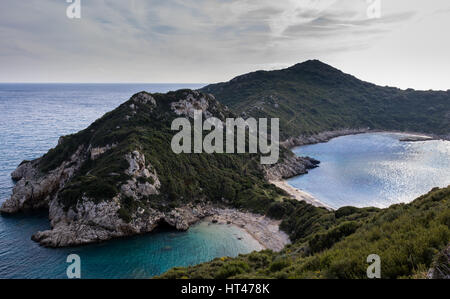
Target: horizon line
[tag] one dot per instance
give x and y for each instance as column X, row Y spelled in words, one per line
column 199, row 83
column 37, row 82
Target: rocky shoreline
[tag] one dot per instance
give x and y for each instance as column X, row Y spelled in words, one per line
column 90, row 221
column 263, row 229
column 328, row 135
column 290, row 166
column 80, row 216
column 321, row 137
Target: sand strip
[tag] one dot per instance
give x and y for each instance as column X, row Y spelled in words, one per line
column 299, row 194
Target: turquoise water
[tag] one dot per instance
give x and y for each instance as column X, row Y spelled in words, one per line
column 135, row 257
column 32, row 117
column 374, row 169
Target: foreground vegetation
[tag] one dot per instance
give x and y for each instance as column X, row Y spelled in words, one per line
column 409, row 238
column 235, row 180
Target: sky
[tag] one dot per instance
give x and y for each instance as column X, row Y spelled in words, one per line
column 401, row 43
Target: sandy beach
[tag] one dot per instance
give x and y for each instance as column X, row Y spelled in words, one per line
column 263, row 229
column 299, row 194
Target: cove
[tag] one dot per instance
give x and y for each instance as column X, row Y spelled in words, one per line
column 374, row 169
column 136, row 257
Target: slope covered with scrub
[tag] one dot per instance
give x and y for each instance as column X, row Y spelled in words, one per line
column 119, row 176
column 409, row 238
column 313, row 97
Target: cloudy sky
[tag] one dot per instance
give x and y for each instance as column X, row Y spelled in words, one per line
column 214, row 40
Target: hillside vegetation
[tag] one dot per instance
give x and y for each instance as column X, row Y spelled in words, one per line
column 119, row 176
column 232, row 179
column 313, row 97
column 409, row 238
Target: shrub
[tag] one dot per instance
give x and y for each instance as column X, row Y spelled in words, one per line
column 279, row 264
column 232, row 269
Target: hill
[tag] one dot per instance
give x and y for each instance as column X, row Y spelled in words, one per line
column 119, row 177
column 313, row 97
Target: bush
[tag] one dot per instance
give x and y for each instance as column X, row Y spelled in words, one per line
column 279, row 264
column 324, row 241
column 232, row 269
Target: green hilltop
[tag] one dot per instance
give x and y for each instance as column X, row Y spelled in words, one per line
column 313, row 97
column 118, row 177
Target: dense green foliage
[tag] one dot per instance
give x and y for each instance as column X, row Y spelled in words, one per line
column 313, row 97
column 232, row 179
column 407, row 237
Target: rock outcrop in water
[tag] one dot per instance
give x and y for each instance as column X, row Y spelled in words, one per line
column 119, row 177
column 33, row 189
column 100, row 222
column 290, row 166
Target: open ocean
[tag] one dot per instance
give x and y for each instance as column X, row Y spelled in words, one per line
column 32, row 118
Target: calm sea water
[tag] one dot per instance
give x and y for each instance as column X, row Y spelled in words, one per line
column 32, row 117
column 374, row 169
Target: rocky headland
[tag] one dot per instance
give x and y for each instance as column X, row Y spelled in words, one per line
column 321, row 137
column 117, row 178
column 262, row 228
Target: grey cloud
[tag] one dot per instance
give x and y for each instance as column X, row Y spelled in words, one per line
column 178, row 40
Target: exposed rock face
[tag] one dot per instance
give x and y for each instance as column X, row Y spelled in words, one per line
column 25, row 170
column 289, row 167
column 321, row 137
column 196, row 101
column 265, row 230
column 144, row 181
column 182, row 218
column 98, row 151
column 92, row 222
column 144, row 98
column 104, row 187
column 34, row 190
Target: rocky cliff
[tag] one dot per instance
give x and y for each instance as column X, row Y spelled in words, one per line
column 290, row 166
column 119, row 177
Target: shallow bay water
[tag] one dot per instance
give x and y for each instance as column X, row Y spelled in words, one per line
column 374, row 169
column 32, row 117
